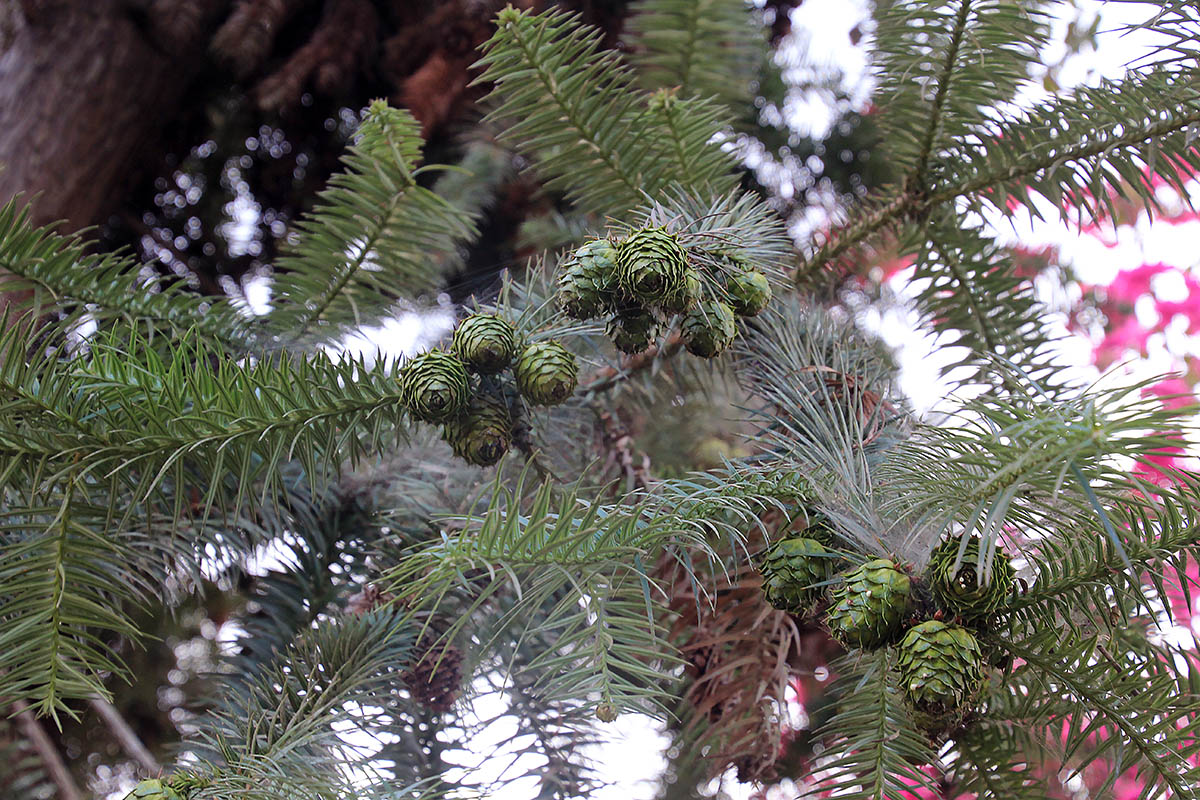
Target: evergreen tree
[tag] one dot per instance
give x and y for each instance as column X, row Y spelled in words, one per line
column 985, row 588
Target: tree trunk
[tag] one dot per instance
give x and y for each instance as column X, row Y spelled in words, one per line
column 85, row 86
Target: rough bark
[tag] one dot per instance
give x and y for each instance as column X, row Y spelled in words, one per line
column 85, row 85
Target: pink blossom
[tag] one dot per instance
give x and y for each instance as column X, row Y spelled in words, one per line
column 1127, row 787
column 1182, row 591
column 894, row 265
column 1130, row 284
column 1174, row 393
column 1188, row 307
column 1128, row 336
column 1157, row 466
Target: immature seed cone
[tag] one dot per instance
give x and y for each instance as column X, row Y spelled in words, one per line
column 436, row 678
column 633, row 330
column 708, row 329
column 959, row 591
column 680, row 301
column 153, row 789
column 434, row 386
column 794, row 573
column 869, row 607
column 749, row 293
column 482, row 434
column 606, row 712
column 651, row 265
column 486, row 342
column 546, row 373
column 941, row 669
column 587, row 280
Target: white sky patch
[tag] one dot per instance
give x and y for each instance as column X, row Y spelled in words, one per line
column 820, row 46
column 409, row 331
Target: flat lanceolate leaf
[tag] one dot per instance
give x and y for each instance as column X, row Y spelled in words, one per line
column 709, row 48
column 63, row 582
column 375, row 236
column 47, row 273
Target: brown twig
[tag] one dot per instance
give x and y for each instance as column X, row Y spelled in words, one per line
column 533, row 455
column 125, row 735
column 617, row 441
column 47, row 752
column 608, row 377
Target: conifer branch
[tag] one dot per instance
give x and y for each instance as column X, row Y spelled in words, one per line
column 126, row 735
column 1140, row 720
column 938, row 106
column 374, row 233
column 701, row 48
column 47, row 273
column 574, row 109
column 890, row 212
column 47, row 752
column 608, row 378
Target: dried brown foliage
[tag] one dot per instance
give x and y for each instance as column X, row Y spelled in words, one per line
column 738, row 650
column 436, row 678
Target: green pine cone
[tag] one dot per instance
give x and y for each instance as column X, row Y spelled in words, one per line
column 794, row 571
column 679, row 302
column 546, row 373
column 749, row 293
column 959, row 590
column 708, row 329
column 587, row 282
column 153, row 789
column 633, row 330
column 607, row 712
column 486, row 342
column 651, row 265
column 869, row 607
column 941, row 670
column 483, row 434
column 435, row 386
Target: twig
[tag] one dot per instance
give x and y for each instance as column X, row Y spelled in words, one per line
column 47, row 752
column 125, row 735
column 533, row 455
column 609, row 377
column 617, row 441
column 914, row 204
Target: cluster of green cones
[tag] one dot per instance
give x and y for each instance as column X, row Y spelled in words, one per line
column 877, row 604
column 470, row 392
column 640, row 282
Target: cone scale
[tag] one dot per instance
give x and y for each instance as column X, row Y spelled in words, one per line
column 794, row 573
column 749, row 293
column 633, row 330
column 483, row 434
column 485, row 342
column 651, row 265
column 546, row 373
column 587, row 281
column 941, row 669
column 434, row 386
column 871, row 604
column 708, row 329
column 958, row 589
